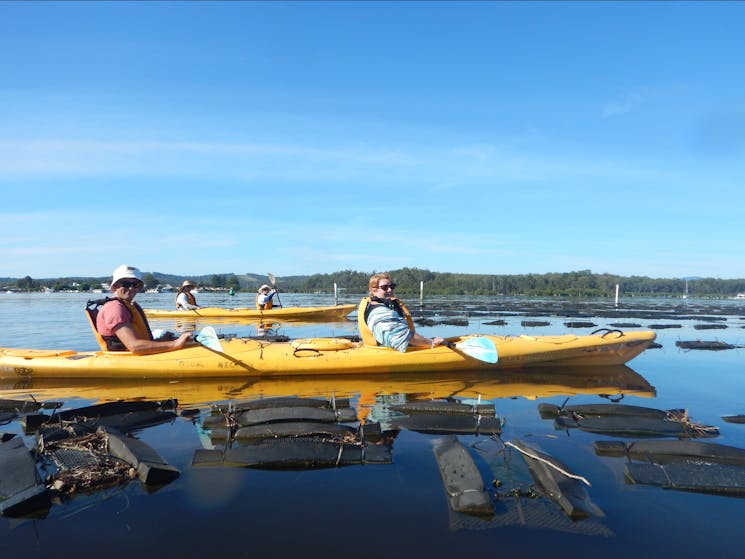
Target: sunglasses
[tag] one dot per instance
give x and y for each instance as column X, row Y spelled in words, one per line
column 128, row 284
column 387, row 286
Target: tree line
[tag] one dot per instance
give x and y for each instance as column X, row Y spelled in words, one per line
column 581, row 283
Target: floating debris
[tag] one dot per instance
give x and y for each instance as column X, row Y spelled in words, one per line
column 122, row 416
column 690, row 476
column 445, row 407
column 268, row 415
column 549, row 411
column 701, row 344
column 567, row 489
column 665, row 450
column 21, row 407
column 295, row 453
column 294, row 429
column 78, row 453
column 443, row 424
column 83, row 464
column 455, row 322
column 291, row 433
column 444, row 417
column 282, row 402
column 682, row 465
column 151, row 468
column 461, row 478
column 21, row 491
column 531, row 323
column 624, row 421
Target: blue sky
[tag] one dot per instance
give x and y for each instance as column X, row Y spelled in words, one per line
column 310, row 137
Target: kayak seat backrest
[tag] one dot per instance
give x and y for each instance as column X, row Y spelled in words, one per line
column 366, row 334
column 91, row 311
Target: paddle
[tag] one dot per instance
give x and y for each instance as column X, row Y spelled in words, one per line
column 274, row 285
column 482, row 349
column 207, row 338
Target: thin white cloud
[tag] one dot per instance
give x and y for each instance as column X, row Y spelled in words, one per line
column 625, row 105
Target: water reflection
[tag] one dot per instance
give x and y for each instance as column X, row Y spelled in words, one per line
column 230, row 509
column 312, row 422
column 366, row 391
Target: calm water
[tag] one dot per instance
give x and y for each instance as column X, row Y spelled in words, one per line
column 400, row 509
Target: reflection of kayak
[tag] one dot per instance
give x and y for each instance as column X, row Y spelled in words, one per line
column 533, row 384
column 276, row 313
column 241, row 357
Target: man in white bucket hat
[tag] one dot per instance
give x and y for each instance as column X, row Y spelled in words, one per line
column 122, row 323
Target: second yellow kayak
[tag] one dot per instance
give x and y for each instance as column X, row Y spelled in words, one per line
column 277, row 313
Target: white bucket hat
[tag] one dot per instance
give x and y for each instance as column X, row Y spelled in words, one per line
column 126, row 272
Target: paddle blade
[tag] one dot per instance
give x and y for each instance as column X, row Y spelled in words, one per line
column 482, row 349
column 274, row 285
column 208, row 338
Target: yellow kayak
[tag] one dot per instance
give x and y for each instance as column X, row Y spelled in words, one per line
column 276, row 313
column 245, row 357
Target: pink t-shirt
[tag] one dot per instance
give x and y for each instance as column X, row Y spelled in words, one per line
column 112, row 315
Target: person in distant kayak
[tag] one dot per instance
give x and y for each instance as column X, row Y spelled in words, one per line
column 122, row 323
column 384, row 320
column 264, row 296
column 185, row 300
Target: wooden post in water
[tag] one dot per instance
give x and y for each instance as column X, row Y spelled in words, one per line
column 336, row 295
column 616, row 295
column 421, row 292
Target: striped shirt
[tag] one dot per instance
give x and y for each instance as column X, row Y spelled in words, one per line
column 389, row 328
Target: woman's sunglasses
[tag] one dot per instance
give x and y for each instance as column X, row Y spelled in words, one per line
column 387, row 286
column 129, row 284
